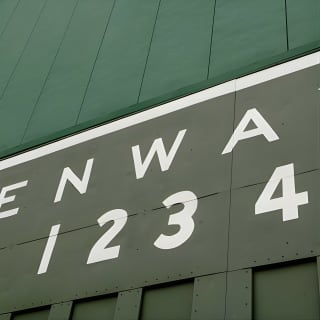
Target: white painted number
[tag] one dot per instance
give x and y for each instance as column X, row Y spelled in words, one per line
column 49, row 249
column 290, row 200
column 99, row 252
column 182, row 218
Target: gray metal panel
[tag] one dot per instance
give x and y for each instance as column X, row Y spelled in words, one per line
column 128, row 305
column 167, row 302
column 239, row 295
column 290, row 105
column 60, row 311
column 266, row 238
column 139, row 263
column 197, row 166
column 286, row 292
column 209, row 296
column 100, row 308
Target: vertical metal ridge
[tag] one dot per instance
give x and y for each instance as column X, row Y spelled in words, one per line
column 149, row 49
column 211, row 40
column 50, row 69
column 24, row 49
column 95, row 61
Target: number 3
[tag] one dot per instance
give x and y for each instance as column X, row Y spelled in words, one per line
column 100, row 252
column 182, row 218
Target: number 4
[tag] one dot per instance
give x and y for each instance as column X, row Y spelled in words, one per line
column 290, row 200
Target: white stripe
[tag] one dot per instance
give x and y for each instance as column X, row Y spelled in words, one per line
column 49, row 249
column 167, row 108
column 126, row 122
column 278, row 71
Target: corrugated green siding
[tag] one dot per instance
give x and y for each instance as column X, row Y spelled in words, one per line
column 62, row 93
column 16, row 36
column 246, row 32
column 303, row 22
column 7, row 9
column 118, row 72
column 68, row 64
column 25, row 86
column 180, row 48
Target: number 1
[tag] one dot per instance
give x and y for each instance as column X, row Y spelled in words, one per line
column 49, row 249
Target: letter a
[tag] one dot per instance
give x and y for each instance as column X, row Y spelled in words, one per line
column 240, row 134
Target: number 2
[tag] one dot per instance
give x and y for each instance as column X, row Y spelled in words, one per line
column 99, row 251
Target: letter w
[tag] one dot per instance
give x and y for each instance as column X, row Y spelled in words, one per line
column 157, row 147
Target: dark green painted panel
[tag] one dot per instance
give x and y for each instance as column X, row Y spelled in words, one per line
column 128, row 305
column 139, row 263
column 30, row 74
column 286, row 293
column 60, row 311
column 265, row 238
column 101, row 308
column 197, row 166
column 117, row 76
column 167, row 303
column 246, row 32
column 293, row 117
column 5, row 316
column 16, row 36
column 179, row 53
column 209, row 297
column 303, row 22
column 63, row 92
column 33, row 315
column 239, row 295
column 7, row 8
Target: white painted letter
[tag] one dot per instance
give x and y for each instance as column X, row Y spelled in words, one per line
column 158, row 148
column 4, row 199
column 80, row 185
column 240, row 134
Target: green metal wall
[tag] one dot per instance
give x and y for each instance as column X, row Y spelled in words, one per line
column 66, row 65
column 285, row 292
column 69, row 64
